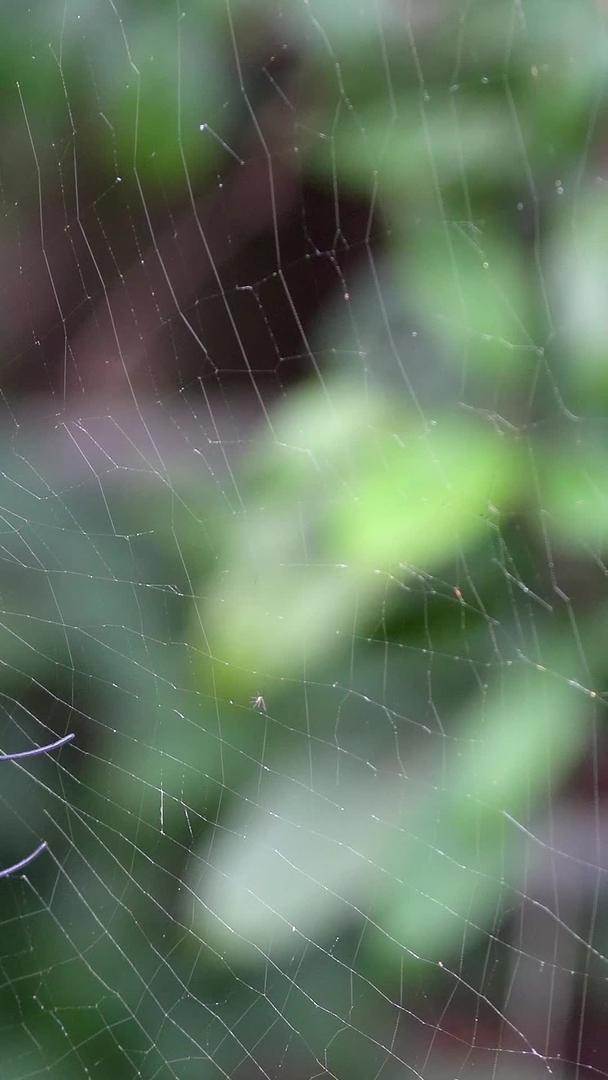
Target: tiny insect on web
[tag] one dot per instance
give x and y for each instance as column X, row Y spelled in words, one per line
column 19, row 756
column 258, row 703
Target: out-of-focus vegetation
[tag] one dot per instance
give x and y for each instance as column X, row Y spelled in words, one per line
column 405, row 558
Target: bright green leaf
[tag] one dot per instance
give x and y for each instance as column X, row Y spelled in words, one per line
column 336, row 510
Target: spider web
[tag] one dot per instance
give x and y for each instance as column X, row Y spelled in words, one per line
column 332, row 805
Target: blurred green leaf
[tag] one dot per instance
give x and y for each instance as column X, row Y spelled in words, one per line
column 464, row 854
column 576, row 268
column 423, row 150
column 429, row 853
column 573, row 495
column 294, row 862
column 356, row 492
column 161, row 86
column 472, row 290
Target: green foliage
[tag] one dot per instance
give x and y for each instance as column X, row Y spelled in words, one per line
column 310, row 555
column 384, row 518
column 472, row 289
column 428, row 858
column 575, row 267
column 526, row 730
column 574, row 496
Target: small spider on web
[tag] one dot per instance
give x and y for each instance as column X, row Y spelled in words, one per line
column 37, row 751
column 257, row 702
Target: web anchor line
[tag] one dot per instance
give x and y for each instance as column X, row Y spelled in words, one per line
column 19, row 756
